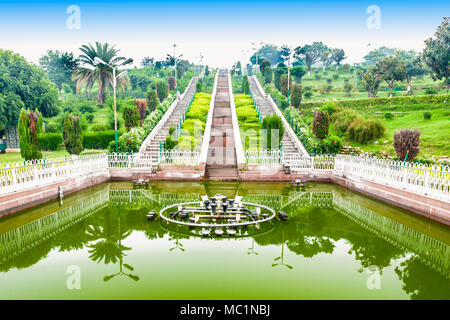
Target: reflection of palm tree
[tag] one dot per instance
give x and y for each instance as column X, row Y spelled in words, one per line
column 281, row 258
column 129, row 275
column 178, row 244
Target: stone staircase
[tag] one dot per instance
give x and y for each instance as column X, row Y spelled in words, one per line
column 289, row 147
column 153, row 146
column 221, row 163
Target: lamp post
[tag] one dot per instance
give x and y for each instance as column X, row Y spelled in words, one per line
column 175, row 63
column 256, row 50
column 97, row 60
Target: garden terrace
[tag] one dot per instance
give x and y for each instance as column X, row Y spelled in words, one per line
column 172, row 118
column 291, row 146
column 197, row 114
column 249, row 121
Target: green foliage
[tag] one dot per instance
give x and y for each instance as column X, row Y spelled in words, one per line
column 199, row 85
column 50, row 141
column 362, row 131
column 24, row 85
column 296, row 95
column 427, row 115
column 308, row 94
column 402, row 100
column 59, row 67
column 245, row 85
column 388, row 116
column 169, row 144
column 331, row 145
column 99, row 139
column 342, row 120
column 89, row 117
column 130, row 116
column 111, row 120
column 310, row 53
column 392, row 69
column 298, row 72
column 437, row 54
column 407, row 143
column 371, row 81
column 274, row 125
column 320, row 124
column 268, row 75
column 152, row 100
column 162, row 88
column 129, row 142
column 30, row 126
column 72, row 134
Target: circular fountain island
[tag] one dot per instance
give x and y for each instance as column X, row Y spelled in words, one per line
column 218, row 216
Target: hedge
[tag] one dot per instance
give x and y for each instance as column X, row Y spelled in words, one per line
column 355, row 103
column 99, row 139
column 50, row 141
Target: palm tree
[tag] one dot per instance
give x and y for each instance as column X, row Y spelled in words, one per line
column 90, row 71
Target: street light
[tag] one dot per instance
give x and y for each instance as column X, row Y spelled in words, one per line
column 256, row 50
column 98, row 61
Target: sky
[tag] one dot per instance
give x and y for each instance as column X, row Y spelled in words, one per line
column 219, row 30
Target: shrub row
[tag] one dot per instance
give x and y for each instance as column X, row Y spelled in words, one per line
column 356, row 103
column 91, row 140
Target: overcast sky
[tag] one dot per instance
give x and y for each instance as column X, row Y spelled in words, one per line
column 220, row 30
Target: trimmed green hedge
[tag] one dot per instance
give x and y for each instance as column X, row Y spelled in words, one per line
column 50, row 141
column 99, row 139
column 356, row 103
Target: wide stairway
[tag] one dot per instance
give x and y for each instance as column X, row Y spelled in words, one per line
column 172, row 121
column 221, row 163
column 289, row 147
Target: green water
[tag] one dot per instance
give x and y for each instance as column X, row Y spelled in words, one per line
column 330, row 248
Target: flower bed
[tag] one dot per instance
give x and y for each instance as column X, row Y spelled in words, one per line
column 249, row 121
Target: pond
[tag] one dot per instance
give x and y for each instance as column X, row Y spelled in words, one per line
column 336, row 244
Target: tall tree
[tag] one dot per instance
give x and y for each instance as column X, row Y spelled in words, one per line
column 73, row 138
column 378, row 54
column 413, row 64
column 437, row 53
column 30, row 126
column 337, row 55
column 23, row 85
column 59, row 67
column 148, row 62
column 325, row 58
column 98, row 72
column 391, row 69
column 269, row 52
column 371, row 81
column 310, row 53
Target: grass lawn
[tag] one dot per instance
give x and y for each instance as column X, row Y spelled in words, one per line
column 435, row 132
column 15, row 156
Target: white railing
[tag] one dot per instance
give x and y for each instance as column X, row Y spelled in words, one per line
column 17, row 176
column 207, row 133
column 430, row 180
column 286, row 124
column 132, row 160
column 264, row 156
column 179, row 157
column 234, row 120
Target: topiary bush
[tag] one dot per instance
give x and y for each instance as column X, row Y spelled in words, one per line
column 320, row 124
column 152, row 100
column 130, row 116
column 407, row 143
column 388, row 115
column 296, row 95
column 308, row 94
column 272, row 123
column 50, row 141
column 162, row 90
column 30, row 126
column 427, row 115
column 129, row 142
column 73, row 139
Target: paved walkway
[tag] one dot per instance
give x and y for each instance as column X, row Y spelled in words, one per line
column 289, row 147
column 153, row 145
column 221, row 163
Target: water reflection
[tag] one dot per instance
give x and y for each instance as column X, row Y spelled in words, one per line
column 321, row 217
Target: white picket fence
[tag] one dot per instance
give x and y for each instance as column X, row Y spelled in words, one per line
column 430, row 180
column 17, row 176
column 179, row 157
column 264, row 157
